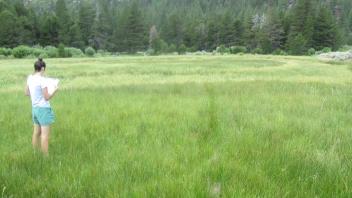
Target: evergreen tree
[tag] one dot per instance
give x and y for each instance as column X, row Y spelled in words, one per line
column 76, row 37
column 86, row 17
column 64, row 21
column 297, row 45
column 8, row 32
column 49, row 31
column 302, row 22
column 273, row 33
column 136, row 33
column 227, row 31
column 238, row 33
column 103, row 27
column 173, row 31
column 154, row 40
column 325, row 31
column 213, row 37
column 25, row 25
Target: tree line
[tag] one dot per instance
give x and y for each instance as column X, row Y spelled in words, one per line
column 265, row 26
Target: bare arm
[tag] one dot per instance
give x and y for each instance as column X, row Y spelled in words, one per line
column 46, row 95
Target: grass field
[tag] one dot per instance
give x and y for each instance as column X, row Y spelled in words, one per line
column 182, row 126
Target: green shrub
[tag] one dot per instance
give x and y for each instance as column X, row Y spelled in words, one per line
column 37, row 51
column 172, row 48
column 5, row 51
column 311, row 52
column 61, row 51
column 103, row 53
column 326, row 50
column 238, row 49
column 89, row 51
column 43, row 55
column 74, row 52
column 257, row 50
column 182, row 49
column 222, row 49
column 51, row 51
column 21, row 51
column 163, row 46
column 150, row 52
column 345, row 48
column 279, row 52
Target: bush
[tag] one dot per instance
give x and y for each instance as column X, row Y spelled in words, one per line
column 311, row 52
column 37, row 52
column 182, row 49
column 5, row 51
column 163, row 46
column 222, row 49
column 51, row 51
column 61, row 51
column 74, row 52
column 89, row 51
column 326, row 50
column 172, row 48
column 279, row 52
column 257, row 50
column 345, row 48
column 101, row 52
column 150, row 52
column 43, row 55
column 21, row 51
column 238, row 49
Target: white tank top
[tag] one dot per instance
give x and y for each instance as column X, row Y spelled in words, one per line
column 36, row 83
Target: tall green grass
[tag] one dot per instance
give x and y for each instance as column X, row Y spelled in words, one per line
column 182, row 126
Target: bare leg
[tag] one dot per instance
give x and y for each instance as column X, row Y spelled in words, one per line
column 45, row 132
column 36, row 136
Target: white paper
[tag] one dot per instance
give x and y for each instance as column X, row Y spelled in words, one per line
column 52, row 84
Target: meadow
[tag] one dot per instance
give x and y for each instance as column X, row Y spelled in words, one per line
column 182, row 126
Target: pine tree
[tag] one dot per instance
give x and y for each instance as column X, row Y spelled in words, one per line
column 173, row 31
column 154, row 40
column 86, row 17
column 136, row 33
column 297, row 45
column 325, row 30
column 64, row 21
column 227, row 36
column 273, row 33
column 302, row 22
column 103, row 27
column 76, row 37
column 238, row 33
column 8, row 34
column 49, row 31
column 27, row 25
column 213, row 37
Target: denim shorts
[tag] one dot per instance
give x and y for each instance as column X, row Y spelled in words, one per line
column 43, row 116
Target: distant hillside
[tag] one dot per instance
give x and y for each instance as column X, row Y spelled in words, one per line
column 293, row 26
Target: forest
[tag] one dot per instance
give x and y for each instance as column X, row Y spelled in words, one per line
column 294, row 27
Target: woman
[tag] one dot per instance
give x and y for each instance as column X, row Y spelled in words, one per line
column 42, row 113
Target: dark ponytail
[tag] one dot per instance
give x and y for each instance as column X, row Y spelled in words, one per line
column 39, row 65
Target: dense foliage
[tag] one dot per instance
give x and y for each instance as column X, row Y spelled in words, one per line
column 264, row 26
